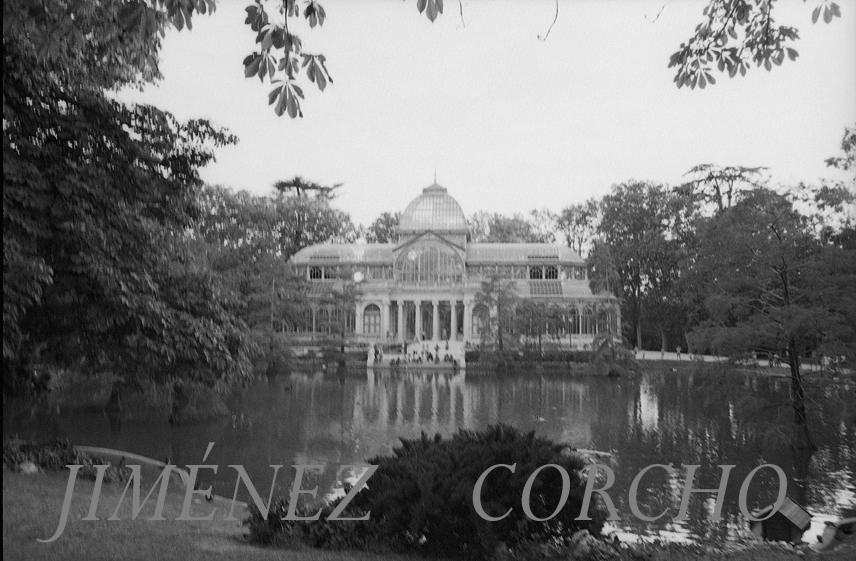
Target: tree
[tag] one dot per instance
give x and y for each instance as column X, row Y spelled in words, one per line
column 497, row 300
column 756, row 38
column 97, row 201
column 384, row 229
column 633, row 248
column 578, row 225
column 536, row 318
column 720, row 186
column 302, row 222
column 496, row 228
column 302, row 188
column 773, row 287
column 341, row 300
column 250, row 239
column 544, row 225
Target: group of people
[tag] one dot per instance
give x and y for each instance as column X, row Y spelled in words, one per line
column 419, row 358
column 424, row 355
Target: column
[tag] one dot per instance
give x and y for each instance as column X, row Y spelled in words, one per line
column 435, row 320
column 468, row 319
column 314, row 319
column 358, row 321
column 384, row 320
column 400, row 320
column 454, row 335
column 418, row 327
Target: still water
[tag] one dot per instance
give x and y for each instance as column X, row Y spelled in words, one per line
column 710, row 418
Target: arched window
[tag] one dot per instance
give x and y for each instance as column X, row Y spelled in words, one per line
column 429, row 262
column 551, row 272
column 371, row 320
column 587, row 322
column 536, row 273
column 316, row 273
column 602, row 321
column 323, row 321
column 574, row 321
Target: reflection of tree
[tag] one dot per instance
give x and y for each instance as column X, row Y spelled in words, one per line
column 718, row 419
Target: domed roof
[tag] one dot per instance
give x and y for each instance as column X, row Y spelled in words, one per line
column 433, row 210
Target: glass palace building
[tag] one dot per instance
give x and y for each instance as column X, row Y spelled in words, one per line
column 423, row 287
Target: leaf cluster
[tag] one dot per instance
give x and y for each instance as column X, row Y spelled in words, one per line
column 735, row 34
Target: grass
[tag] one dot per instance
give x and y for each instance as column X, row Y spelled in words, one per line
column 32, row 505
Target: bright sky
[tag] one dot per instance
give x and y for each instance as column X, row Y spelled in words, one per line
column 509, row 122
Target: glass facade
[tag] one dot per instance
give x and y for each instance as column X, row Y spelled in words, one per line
column 429, row 262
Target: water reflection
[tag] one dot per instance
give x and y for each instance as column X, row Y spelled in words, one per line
column 327, row 419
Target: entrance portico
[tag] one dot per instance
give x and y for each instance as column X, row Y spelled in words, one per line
column 427, row 318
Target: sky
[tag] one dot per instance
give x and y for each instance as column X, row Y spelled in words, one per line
column 508, row 120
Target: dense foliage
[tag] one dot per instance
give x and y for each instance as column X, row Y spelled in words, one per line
column 97, row 199
column 420, row 499
column 247, row 240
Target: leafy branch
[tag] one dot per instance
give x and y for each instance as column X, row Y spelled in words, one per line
column 279, row 57
column 762, row 42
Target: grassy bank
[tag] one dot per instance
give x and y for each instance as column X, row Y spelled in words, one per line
column 32, row 503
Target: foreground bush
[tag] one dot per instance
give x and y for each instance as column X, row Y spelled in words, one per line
column 55, row 456
column 420, row 499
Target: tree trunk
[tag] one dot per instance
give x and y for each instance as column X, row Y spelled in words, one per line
column 272, row 297
column 639, row 329
column 662, row 339
column 803, row 436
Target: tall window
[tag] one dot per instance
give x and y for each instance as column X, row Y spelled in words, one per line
column 574, row 321
column 536, row 273
column 602, row 322
column 316, row 273
column 587, row 326
column 323, row 321
column 551, row 272
column 429, row 262
column 371, row 320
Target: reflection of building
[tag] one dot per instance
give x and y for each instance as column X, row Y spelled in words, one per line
column 423, row 288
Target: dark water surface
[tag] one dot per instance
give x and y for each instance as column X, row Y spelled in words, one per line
column 709, row 418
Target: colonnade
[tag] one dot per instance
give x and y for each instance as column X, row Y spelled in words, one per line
column 397, row 329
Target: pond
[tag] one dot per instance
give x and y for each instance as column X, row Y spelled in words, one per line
column 711, row 418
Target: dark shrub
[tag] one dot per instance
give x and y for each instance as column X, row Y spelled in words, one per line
column 56, row 455
column 421, row 498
